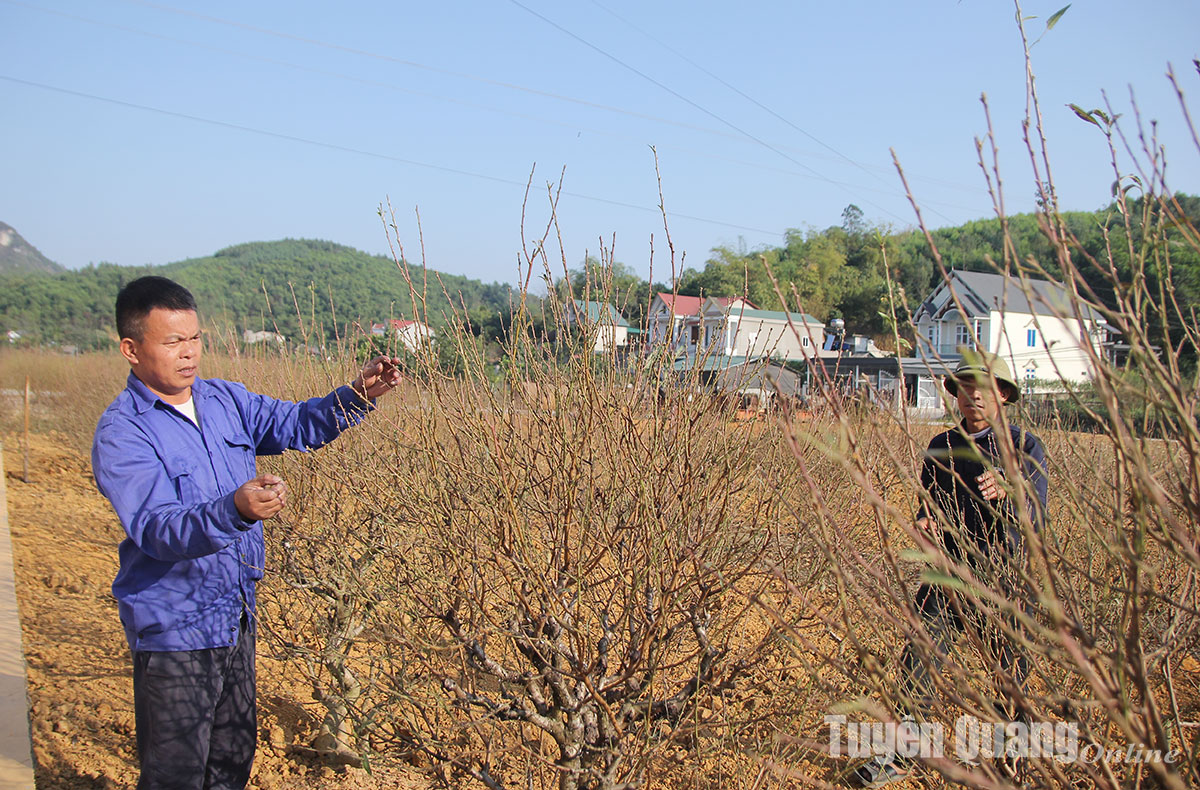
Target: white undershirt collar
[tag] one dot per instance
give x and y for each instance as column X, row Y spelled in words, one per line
column 187, row 409
column 976, row 436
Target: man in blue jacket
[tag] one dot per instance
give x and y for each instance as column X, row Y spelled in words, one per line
column 175, row 454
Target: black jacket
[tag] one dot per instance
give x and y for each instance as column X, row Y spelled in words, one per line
column 948, row 474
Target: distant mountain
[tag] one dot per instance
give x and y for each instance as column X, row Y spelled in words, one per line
column 307, row 290
column 19, row 256
column 299, row 285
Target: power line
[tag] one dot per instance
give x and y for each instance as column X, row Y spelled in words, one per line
column 371, row 154
column 738, row 132
column 694, row 104
column 735, row 89
column 708, row 154
column 660, row 85
column 811, row 173
column 461, row 75
column 397, row 88
column 402, row 62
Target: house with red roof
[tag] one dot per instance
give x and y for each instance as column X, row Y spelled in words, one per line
column 727, row 328
column 675, row 320
column 410, row 335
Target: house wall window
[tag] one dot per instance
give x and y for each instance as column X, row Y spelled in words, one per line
column 1031, row 337
column 962, row 335
column 932, row 333
column 983, row 341
column 804, row 341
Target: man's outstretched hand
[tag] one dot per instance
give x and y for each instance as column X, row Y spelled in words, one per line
column 377, row 377
column 260, row 498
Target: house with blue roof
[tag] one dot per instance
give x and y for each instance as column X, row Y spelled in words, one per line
column 607, row 329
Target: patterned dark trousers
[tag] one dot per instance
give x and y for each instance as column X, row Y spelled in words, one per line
column 196, row 717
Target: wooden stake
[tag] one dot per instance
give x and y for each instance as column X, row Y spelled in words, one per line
column 25, row 455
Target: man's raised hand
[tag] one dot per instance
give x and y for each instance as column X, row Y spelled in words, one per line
column 260, row 498
column 377, row 377
column 989, row 486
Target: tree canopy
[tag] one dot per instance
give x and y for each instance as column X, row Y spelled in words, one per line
column 296, row 287
column 321, row 290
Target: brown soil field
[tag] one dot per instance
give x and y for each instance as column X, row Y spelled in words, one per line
column 65, row 539
column 78, row 667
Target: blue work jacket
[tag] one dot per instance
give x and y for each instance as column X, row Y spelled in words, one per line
column 189, row 561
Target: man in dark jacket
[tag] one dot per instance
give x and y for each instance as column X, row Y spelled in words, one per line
column 976, row 514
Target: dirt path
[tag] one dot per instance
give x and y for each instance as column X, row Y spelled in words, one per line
column 65, row 540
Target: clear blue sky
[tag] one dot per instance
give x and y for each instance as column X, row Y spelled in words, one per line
column 145, row 132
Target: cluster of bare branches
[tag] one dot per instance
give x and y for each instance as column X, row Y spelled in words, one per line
column 566, row 568
column 544, row 576
column 1103, row 605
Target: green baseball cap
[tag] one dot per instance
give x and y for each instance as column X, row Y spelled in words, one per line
column 976, row 366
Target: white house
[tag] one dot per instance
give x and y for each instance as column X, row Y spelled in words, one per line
column 674, row 320
column 730, row 326
column 250, row 337
column 1024, row 330
column 411, row 335
column 608, row 327
column 745, row 331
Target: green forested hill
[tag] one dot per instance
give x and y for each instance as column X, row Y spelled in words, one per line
column 249, row 286
column 19, row 256
column 838, row 272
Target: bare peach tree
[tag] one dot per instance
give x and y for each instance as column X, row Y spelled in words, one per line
column 1102, row 605
column 593, row 533
column 320, row 603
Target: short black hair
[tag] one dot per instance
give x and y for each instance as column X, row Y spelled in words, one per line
column 139, row 297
